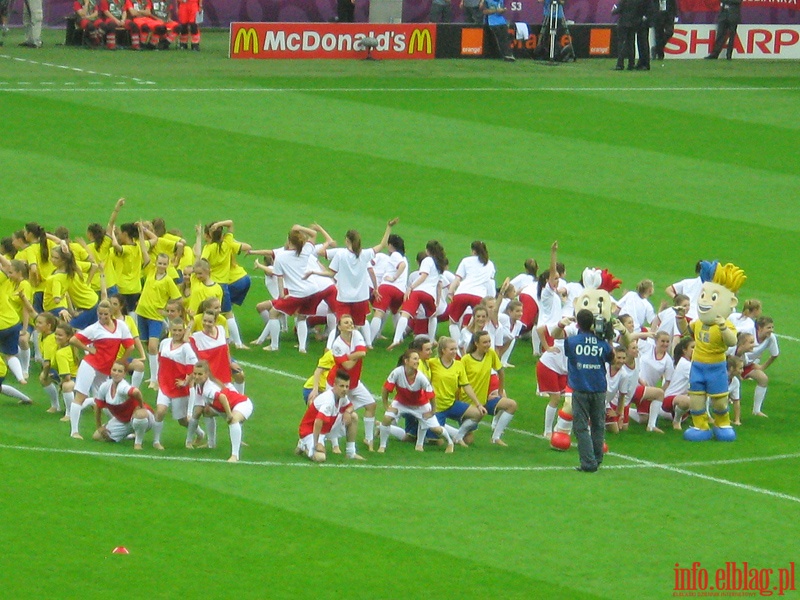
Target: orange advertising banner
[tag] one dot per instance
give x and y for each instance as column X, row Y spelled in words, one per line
column 332, row 40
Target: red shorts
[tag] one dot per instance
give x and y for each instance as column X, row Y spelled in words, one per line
column 494, row 383
column 530, row 311
column 637, row 394
column 357, row 310
column 391, row 299
column 611, row 415
column 643, row 407
column 290, row 305
column 417, row 299
column 146, row 23
column 187, row 11
column 460, row 304
column 549, row 381
column 747, row 370
column 668, row 405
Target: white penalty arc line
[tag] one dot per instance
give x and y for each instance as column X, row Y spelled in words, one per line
column 268, row 463
column 71, row 68
column 492, row 90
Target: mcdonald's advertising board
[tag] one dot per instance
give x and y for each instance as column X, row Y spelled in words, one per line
column 332, row 40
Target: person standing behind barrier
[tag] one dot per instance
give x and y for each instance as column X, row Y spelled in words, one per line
column 187, row 17
column 345, row 11
column 32, row 16
column 728, row 19
column 472, row 12
column 630, row 17
column 441, row 12
column 664, row 25
column 587, row 357
column 494, row 10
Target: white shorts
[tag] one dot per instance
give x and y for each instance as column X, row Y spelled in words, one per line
column 244, row 408
column 360, row 396
column 88, row 379
column 180, row 405
column 417, row 412
column 118, row 431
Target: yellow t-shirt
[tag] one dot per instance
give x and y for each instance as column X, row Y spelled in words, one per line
column 447, row 382
column 82, row 295
column 65, row 363
column 8, row 313
column 14, row 299
column 128, row 266
column 104, row 254
column 55, row 291
column 155, row 295
column 45, row 267
column 326, row 362
column 199, row 292
column 164, row 245
column 131, row 323
column 709, row 347
column 49, row 347
column 479, row 372
column 220, row 258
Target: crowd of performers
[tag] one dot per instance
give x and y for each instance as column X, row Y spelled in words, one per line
column 134, row 299
column 149, row 24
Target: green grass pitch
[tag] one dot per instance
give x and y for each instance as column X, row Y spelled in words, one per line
column 640, row 173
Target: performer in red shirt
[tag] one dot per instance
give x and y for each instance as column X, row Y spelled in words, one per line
column 129, row 413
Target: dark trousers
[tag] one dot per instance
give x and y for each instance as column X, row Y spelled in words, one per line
column 589, row 408
column 627, row 38
column 503, row 40
column 665, row 28
column 345, row 11
column 643, row 45
column 727, row 22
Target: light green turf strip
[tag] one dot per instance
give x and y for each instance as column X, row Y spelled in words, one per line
column 605, row 168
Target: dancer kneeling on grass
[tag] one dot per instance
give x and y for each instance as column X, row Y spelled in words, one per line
column 480, row 362
column 413, row 397
column 129, row 413
column 329, row 413
column 214, row 399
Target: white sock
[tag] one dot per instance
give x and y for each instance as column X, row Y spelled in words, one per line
column 136, row 379
column 74, row 417
column 375, row 327
column 506, row 358
column 679, row 412
column 263, row 336
column 139, row 428
column 302, row 335
column 274, row 327
column 350, row 449
column 758, row 398
column 433, row 322
column 451, row 430
column 446, row 435
column 191, row 430
column 400, row 330
column 369, row 428
column 211, row 431
column 25, row 360
column 633, row 415
column 502, row 421
column 239, row 387
column 236, row 438
column 467, row 425
column 69, row 398
column 14, row 393
column 397, row 432
column 330, row 321
column 366, row 332
column 15, row 367
column 153, row 360
column 385, row 432
column 550, row 414
column 233, row 329
column 158, row 427
column 652, row 418
column 52, row 393
column 422, row 433
column 37, row 352
column 455, row 331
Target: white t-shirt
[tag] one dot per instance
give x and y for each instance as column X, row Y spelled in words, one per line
column 668, row 322
column 615, row 385
column 521, row 281
column 506, row 331
column 743, row 324
column 550, row 306
column 352, row 279
column 391, row 266
column 477, row 279
column 632, row 380
column 768, row 345
column 428, row 286
column 653, row 370
column 691, row 288
column 679, row 384
column 638, row 308
column 292, row 268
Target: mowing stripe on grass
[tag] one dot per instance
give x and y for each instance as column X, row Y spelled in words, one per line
column 491, row 90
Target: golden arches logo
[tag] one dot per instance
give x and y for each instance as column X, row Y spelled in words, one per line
column 246, row 38
column 420, row 41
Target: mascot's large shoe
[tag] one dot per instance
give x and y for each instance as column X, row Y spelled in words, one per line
column 700, row 432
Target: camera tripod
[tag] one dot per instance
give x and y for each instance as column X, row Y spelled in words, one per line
column 550, row 24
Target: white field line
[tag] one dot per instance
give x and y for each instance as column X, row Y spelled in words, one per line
column 299, row 463
column 787, row 337
column 70, row 68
